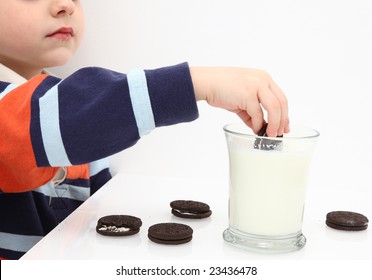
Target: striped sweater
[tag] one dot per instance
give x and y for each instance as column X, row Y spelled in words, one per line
column 56, row 135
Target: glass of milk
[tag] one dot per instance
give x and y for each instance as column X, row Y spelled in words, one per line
column 267, row 187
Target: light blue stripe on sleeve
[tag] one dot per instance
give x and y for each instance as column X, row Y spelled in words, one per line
column 18, row 242
column 97, row 166
column 7, row 90
column 50, row 129
column 141, row 101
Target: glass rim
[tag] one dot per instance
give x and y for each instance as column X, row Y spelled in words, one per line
column 314, row 133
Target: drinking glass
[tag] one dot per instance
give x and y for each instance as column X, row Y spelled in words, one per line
column 267, row 187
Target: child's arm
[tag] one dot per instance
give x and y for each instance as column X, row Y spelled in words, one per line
column 47, row 122
column 243, row 91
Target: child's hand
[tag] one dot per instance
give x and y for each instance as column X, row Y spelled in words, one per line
column 245, row 92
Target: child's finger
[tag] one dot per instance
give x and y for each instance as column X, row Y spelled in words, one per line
column 284, row 123
column 274, row 111
column 255, row 112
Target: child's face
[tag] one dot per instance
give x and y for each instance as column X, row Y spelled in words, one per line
column 35, row 34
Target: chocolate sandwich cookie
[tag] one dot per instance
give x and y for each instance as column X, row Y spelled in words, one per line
column 266, row 144
column 118, row 225
column 170, row 233
column 346, row 220
column 190, row 209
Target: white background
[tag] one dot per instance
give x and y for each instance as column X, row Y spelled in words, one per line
column 318, row 51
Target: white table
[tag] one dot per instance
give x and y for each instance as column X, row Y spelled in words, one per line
column 149, row 197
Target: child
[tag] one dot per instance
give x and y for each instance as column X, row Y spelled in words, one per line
column 55, row 134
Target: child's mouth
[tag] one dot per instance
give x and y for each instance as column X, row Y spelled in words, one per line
column 64, row 33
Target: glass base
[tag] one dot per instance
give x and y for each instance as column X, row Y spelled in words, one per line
column 265, row 244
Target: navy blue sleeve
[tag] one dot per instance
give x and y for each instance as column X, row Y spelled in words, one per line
column 96, row 112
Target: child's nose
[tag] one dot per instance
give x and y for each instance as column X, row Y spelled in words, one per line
column 63, row 7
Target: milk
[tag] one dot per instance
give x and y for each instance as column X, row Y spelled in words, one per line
column 267, row 189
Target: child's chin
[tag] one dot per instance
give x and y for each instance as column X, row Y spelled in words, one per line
column 59, row 57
